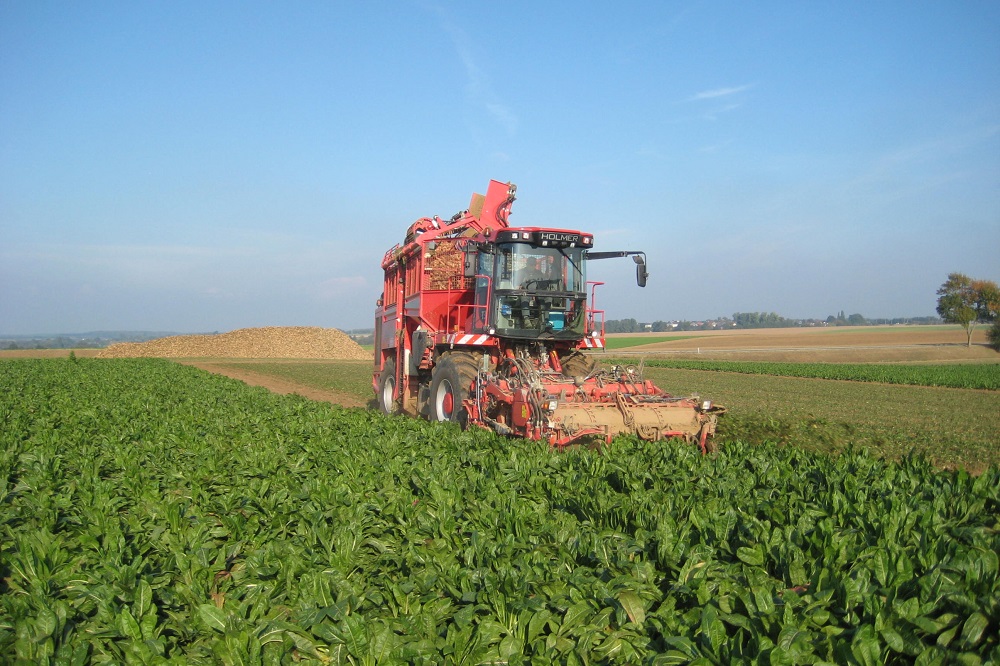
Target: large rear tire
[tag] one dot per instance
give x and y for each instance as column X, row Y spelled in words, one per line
column 451, row 379
column 577, row 364
column 387, row 387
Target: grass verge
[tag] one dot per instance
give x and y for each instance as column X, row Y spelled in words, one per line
column 353, row 377
column 953, row 428
column 972, row 376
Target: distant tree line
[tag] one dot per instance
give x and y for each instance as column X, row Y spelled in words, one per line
column 54, row 343
column 763, row 320
column 92, row 340
column 633, row 326
column 757, row 320
column 363, row 336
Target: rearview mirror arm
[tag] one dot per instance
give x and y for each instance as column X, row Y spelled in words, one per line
column 638, row 257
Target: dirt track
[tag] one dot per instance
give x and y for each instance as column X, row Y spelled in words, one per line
column 276, row 385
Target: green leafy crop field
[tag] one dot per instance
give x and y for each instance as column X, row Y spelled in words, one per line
column 151, row 512
column 955, row 428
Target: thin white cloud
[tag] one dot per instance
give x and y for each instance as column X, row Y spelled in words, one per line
column 927, row 161
column 478, row 87
column 503, row 116
column 715, row 113
column 719, row 92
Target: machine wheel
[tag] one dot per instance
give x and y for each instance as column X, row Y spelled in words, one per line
column 386, row 388
column 450, row 381
column 577, row 364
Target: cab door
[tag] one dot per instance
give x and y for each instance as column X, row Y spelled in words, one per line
column 481, row 311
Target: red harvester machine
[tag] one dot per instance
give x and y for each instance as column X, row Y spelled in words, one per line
column 489, row 325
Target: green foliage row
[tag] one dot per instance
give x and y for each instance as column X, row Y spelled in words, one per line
column 152, row 513
column 969, row 376
column 953, row 428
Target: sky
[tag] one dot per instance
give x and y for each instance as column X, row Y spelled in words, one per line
column 207, row 166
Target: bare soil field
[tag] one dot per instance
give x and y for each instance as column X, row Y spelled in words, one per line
column 842, row 344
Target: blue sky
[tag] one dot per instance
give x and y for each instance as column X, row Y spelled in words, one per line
column 206, row 166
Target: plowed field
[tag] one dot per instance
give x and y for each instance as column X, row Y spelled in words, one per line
column 842, row 344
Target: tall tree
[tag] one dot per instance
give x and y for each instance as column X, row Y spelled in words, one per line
column 993, row 335
column 965, row 301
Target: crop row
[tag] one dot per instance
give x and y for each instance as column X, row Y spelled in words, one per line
column 952, row 428
column 969, row 376
column 151, row 512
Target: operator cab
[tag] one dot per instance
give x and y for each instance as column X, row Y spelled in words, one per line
column 531, row 284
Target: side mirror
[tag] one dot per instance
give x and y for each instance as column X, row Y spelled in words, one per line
column 470, row 263
column 640, row 269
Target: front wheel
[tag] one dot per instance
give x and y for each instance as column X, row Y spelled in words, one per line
column 450, row 382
